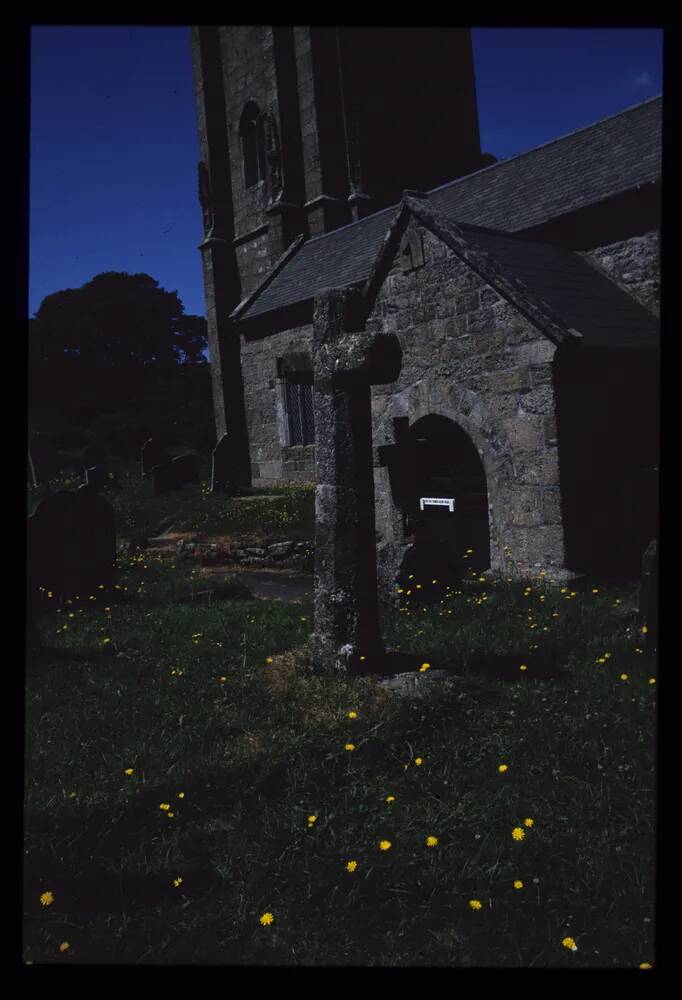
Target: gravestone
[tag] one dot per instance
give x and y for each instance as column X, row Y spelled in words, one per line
column 346, row 362
column 223, row 467
column 71, row 545
column 94, row 480
column 152, row 454
column 648, row 594
column 172, row 475
column 43, row 461
column 93, row 456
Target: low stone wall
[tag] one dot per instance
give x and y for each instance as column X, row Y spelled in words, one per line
column 286, row 553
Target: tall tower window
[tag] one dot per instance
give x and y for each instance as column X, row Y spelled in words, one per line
column 252, row 135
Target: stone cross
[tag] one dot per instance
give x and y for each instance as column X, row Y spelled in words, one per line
column 347, row 360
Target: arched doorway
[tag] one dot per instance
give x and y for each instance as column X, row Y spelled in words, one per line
column 445, row 500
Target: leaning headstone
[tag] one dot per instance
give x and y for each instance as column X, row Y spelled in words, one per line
column 346, row 362
column 152, row 454
column 71, row 545
column 648, row 593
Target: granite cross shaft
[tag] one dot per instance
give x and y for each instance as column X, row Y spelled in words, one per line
column 347, row 361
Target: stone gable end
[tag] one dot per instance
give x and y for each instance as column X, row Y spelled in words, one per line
column 471, row 356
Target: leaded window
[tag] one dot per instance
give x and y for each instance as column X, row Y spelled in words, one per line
column 300, row 411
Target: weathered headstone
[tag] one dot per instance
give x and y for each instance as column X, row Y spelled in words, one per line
column 172, row 475
column 71, row 545
column 648, row 594
column 96, row 456
column 152, row 454
column 223, row 467
column 43, row 461
column 346, row 362
column 94, row 480
column 185, row 469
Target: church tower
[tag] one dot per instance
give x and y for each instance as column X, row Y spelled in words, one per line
column 305, row 129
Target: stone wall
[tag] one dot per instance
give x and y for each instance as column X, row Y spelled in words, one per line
column 634, row 265
column 470, row 356
column 272, row 458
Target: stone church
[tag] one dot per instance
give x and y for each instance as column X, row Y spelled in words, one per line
column 521, row 433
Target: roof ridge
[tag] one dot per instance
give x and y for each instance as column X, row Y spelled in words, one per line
column 492, row 166
column 543, row 145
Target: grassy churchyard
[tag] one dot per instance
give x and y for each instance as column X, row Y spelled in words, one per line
column 195, row 795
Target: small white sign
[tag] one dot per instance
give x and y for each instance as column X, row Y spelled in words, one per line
column 448, row 502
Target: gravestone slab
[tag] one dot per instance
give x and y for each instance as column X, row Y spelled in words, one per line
column 94, row 480
column 94, row 456
column 43, row 461
column 224, row 478
column 175, row 474
column 152, row 454
column 648, row 594
column 71, row 544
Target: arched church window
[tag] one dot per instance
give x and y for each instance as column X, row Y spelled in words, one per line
column 252, row 135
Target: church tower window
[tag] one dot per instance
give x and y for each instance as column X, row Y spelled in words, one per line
column 252, row 134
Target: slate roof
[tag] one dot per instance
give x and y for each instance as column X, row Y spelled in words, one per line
column 579, row 294
column 607, row 158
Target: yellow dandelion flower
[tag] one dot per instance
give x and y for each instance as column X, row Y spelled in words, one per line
column 222, row 679
column 384, row 845
column 170, row 815
column 105, row 641
column 523, row 666
column 569, row 943
column 601, row 660
column 623, row 677
column 266, row 919
column 652, row 680
column 47, row 899
column 177, row 881
column 607, row 656
column 644, row 965
column 181, row 795
column 390, row 798
column 431, row 841
column 352, row 715
column 434, row 581
column 518, row 884
column 594, row 590
column 424, row 667
column 475, row 904
column 268, row 659
column 645, row 629
column 363, row 658
column 518, row 833
column 312, row 820
column 349, row 746
column 502, row 768
column 418, row 761
column 351, row 866
column 165, row 806
column 128, row 770
column 528, row 822
column 64, row 946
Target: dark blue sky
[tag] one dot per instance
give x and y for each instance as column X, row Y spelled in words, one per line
column 114, row 143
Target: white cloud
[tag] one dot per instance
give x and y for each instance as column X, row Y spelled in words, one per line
column 642, row 82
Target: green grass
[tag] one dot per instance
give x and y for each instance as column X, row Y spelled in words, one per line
column 259, row 752
column 284, row 512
